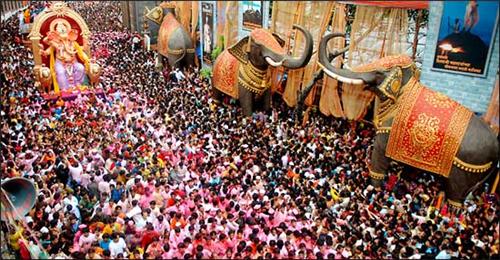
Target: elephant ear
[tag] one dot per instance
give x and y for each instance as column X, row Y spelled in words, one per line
column 238, row 50
column 279, row 39
column 391, row 85
column 155, row 14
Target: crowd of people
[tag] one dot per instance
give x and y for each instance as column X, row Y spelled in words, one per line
column 156, row 170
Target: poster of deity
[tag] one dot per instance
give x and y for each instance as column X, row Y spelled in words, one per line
column 252, row 14
column 207, row 20
column 466, row 35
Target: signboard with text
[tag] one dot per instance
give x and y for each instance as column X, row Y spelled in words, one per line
column 252, row 14
column 466, row 35
column 207, row 21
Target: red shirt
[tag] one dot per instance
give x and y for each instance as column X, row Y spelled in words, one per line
column 25, row 253
column 148, row 237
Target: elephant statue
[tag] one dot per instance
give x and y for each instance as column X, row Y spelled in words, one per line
column 418, row 127
column 242, row 71
column 174, row 42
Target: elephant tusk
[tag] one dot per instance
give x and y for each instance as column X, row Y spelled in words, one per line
column 274, row 63
column 341, row 78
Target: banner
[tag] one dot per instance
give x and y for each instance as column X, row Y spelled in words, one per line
column 252, row 14
column 466, row 35
column 207, row 19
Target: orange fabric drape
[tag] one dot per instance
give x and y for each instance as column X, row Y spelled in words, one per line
column 355, row 101
column 383, row 32
column 310, row 15
column 329, row 103
column 283, row 17
column 231, row 24
column 183, row 13
column 313, row 65
column 221, row 21
column 194, row 21
column 492, row 116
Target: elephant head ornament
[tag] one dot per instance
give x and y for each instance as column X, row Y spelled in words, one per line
column 174, row 42
column 242, row 71
column 419, row 127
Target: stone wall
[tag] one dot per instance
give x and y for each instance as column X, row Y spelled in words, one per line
column 472, row 92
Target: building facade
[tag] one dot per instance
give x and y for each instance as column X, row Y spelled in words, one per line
column 10, row 7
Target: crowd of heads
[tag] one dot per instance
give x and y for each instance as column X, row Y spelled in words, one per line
column 157, row 170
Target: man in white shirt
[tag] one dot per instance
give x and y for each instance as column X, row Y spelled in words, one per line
column 86, row 240
column 135, row 212
column 179, row 75
column 75, row 170
column 70, row 200
column 118, row 246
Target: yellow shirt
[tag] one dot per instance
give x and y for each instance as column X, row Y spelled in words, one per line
column 107, row 230
column 14, row 239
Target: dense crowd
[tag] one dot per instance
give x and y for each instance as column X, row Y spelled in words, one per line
column 157, row 170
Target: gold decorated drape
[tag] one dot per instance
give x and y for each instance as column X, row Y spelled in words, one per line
column 313, row 16
column 329, row 103
column 492, row 116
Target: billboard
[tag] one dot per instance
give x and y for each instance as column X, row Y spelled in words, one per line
column 207, row 19
column 466, row 35
column 252, row 14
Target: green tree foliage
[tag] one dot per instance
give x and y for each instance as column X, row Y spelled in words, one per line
column 206, row 73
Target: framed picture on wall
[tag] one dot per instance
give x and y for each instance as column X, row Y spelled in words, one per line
column 252, row 14
column 466, row 36
column 207, row 21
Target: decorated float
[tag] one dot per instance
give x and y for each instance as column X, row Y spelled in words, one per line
column 60, row 43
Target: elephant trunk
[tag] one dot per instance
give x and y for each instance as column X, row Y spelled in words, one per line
column 342, row 75
column 276, row 59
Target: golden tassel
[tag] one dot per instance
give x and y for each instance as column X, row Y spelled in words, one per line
column 53, row 71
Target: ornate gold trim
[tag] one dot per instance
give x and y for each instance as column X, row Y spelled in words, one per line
column 455, row 204
column 58, row 9
column 253, row 79
column 176, row 52
column 383, row 130
column 471, row 167
column 155, row 14
column 376, row 175
column 238, row 50
column 391, row 86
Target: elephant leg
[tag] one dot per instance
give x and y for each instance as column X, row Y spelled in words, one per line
column 266, row 100
column 379, row 162
column 478, row 148
column 246, row 101
column 460, row 183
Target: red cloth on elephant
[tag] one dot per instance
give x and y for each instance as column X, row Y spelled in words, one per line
column 427, row 130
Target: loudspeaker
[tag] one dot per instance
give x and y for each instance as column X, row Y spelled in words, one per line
column 22, row 194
